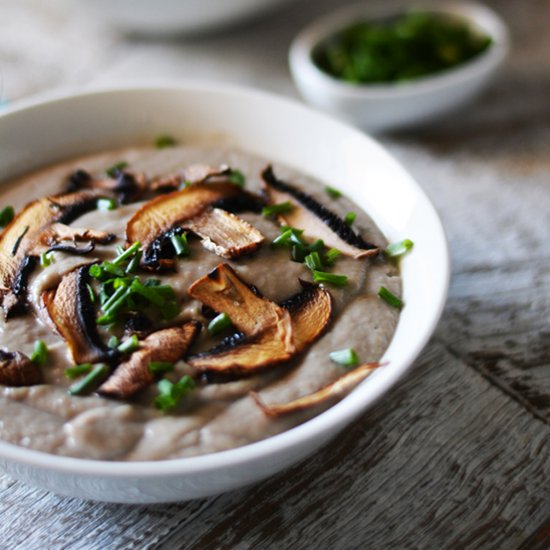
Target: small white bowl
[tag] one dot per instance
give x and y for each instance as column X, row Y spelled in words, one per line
column 378, row 107
column 284, row 131
column 156, row 17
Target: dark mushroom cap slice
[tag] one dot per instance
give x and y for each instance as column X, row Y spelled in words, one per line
column 133, row 375
column 16, row 369
column 72, row 312
column 305, row 317
column 151, row 224
column 126, row 185
column 192, row 174
column 315, row 219
column 20, row 238
column 333, row 391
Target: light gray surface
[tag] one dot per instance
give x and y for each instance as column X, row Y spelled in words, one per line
column 458, row 454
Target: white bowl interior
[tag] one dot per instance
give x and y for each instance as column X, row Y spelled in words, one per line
column 39, row 134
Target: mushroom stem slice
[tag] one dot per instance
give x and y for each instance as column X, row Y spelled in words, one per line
column 16, row 369
column 225, row 234
column 72, row 312
column 223, row 291
column 151, row 223
column 334, row 390
column 58, row 232
column 19, row 239
column 133, row 375
column 315, row 219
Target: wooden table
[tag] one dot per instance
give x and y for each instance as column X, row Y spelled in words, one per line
column 457, row 455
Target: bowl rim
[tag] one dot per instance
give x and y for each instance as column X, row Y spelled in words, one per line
column 339, row 414
column 303, row 67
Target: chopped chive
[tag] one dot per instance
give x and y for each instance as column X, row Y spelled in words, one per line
column 91, row 380
column 46, row 259
column 113, row 342
column 164, row 141
column 237, row 178
column 40, row 354
column 149, row 293
column 91, row 293
column 180, row 244
column 283, row 238
column 133, row 264
column 219, row 323
column 398, row 248
column 331, row 256
column 113, row 170
column 280, row 208
column 170, row 310
column 95, row 271
column 345, row 357
column 119, row 249
column 298, row 253
column 313, row 261
column 171, row 394
column 129, row 345
column 158, row 367
column 390, row 298
column 120, row 291
column 332, row 192
column 296, row 237
column 128, row 253
column 332, row 278
column 106, row 204
column 349, row 218
column 317, row 246
column 6, row 215
column 78, row 370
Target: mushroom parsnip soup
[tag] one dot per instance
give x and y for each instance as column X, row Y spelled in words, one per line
column 173, row 301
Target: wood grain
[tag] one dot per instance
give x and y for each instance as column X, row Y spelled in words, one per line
column 457, row 455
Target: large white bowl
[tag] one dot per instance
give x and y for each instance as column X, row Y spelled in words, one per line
column 40, row 133
column 379, row 107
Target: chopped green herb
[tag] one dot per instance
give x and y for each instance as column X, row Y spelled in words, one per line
column 158, row 367
column 237, row 178
column 392, row 299
column 398, row 249
column 180, row 244
column 113, row 342
column 332, row 278
column 281, row 208
column 283, row 238
column 6, row 215
column 171, row 394
column 346, row 357
column 127, row 254
column 331, row 256
column 313, row 261
column 350, row 218
column 98, row 373
column 219, row 323
column 129, row 345
column 106, row 204
column 298, row 252
column 113, row 171
column 400, row 48
column 46, row 259
column 133, row 264
column 78, row 370
column 40, row 354
column 332, row 192
column 164, row 141
column 91, row 293
column 317, row 246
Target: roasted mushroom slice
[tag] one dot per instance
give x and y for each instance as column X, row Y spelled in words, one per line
column 315, row 219
column 168, row 345
column 19, row 239
column 71, row 310
column 193, row 174
column 16, row 369
column 152, row 223
column 223, row 291
column 276, row 343
column 127, row 185
column 333, row 391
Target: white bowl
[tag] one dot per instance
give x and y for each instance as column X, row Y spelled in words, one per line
column 178, row 16
column 378, row 107
column 282, row 130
